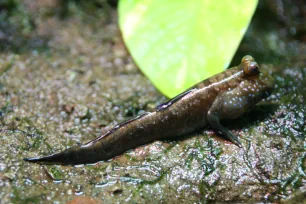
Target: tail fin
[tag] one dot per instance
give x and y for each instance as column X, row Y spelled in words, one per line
column 57, row 158
column 73, row 156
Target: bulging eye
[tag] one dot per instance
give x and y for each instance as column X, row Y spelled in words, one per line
column 252, row 69
column 247, row 58
column 250, row 66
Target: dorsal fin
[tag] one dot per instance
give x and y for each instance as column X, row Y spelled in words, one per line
column 130, row 120
column 167, row 104
column 116, row 128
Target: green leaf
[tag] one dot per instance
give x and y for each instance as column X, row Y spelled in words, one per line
column 177, row 43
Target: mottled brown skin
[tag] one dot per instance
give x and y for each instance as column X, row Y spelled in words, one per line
column 224, row 96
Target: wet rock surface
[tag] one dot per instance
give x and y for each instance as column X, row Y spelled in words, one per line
column 69, row 81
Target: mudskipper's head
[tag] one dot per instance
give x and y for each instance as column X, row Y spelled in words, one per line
column 258, row 82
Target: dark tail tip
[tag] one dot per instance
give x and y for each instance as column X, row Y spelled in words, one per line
column 50, row 159
column 67, row 157
column 33, row 159
column 72, row 156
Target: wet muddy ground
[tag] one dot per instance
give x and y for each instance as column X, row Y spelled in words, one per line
column 69, row 80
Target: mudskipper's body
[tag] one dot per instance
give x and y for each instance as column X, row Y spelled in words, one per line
column 224, row 96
